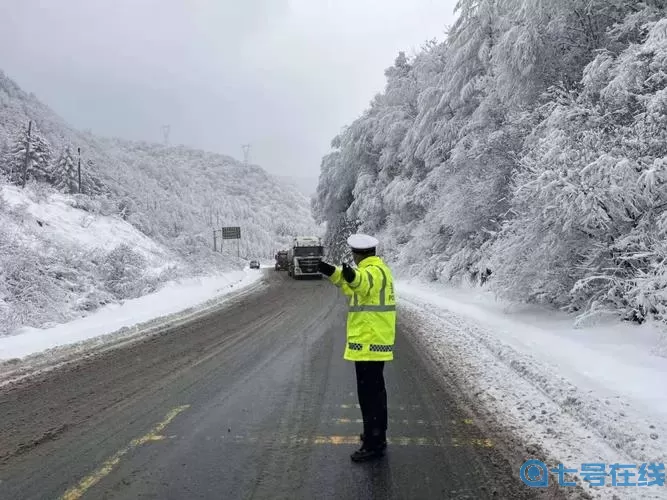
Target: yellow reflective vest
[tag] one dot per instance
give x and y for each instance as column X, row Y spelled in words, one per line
column 371, row 317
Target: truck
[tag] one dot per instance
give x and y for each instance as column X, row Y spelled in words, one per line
column 282, row 260
column 304, row 256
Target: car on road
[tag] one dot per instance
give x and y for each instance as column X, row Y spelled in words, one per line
column 254, row 264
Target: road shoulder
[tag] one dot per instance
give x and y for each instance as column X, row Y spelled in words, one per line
column 18, row 369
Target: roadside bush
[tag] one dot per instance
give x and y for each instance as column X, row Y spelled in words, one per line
column 39, row 192
column 123, row 273
column 142, row 223
column 125, row 207
column 30, row 294
column 19, row 213
column 87, row 203
column 99, row 205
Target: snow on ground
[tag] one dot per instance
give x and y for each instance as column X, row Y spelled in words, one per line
column 592, row 394
column 174, row 297
column 84, row 229
column 52, row 221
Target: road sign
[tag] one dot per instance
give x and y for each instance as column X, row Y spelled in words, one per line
column 231, row 233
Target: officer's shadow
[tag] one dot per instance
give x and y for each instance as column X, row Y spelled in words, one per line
column 380, row 480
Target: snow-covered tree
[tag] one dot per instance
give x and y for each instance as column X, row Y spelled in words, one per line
column 592, row 197
column 65, row 172
column 530, row 143
column 39, row 158
column 91, row 184
column 335, row 239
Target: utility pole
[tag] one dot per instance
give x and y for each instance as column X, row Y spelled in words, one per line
column 246, row 154
column 79, row 151
column 27, row 156
column 166, row 129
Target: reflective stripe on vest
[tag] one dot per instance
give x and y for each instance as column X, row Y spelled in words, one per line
column 371, row 308
column 355, row 346
column 381, row 348
column 383, row 297
column 356, row 297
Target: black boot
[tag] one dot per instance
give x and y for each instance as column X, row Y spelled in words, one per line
column 372, row 447
column 365, row 453
column 383, row 443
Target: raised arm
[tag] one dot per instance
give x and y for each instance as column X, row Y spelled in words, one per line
column 360, row 281
column 338, row 279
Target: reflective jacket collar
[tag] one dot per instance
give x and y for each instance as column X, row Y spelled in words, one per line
column 373, row 260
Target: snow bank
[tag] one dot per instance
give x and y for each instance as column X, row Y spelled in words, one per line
column 175, row 297
column 593, row 394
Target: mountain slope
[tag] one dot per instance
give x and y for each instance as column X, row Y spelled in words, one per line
column 179, row 195
column 53, row 269
column 58, row 261
column 174, row 194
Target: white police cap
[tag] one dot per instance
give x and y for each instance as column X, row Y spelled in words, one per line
column 362, row 242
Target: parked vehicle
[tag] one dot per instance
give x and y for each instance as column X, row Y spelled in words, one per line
column 254, row 264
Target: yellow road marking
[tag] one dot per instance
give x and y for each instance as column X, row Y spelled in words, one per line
column 335, row 439
column 347, row 420
column 351, row 440
column 479, row 442
column 399, row 407
column 404, row 441
column 391, row 421
column 403, row 421
column 91, row 480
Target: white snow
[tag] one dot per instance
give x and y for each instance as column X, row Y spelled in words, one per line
column 85, row 229
column 174, row 297
column 590, row 394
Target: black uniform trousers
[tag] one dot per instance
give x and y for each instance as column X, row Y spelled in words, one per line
column 372, row 400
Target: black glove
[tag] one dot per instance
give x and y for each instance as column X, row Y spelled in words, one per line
column 348, row 273
column 326, row 269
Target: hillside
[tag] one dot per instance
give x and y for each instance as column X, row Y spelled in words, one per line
column 179, row 195
column 173, row 194
column 59, row 262
column 56, row 245
column 527, row 152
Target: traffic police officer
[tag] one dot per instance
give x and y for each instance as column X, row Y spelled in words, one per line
column 371, row 328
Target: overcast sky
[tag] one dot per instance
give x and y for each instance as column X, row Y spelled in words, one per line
column 283, row 75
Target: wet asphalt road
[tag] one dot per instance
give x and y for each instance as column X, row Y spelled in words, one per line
column 252, row 401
